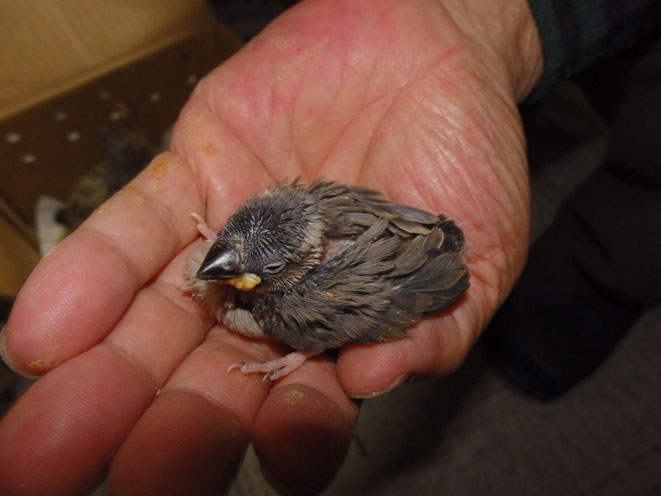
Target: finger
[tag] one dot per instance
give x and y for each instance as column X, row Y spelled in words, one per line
column 183, row 444
column 434, row 347
column 227, row 170
column 195, row 433
column 75, row 417
column 303, row 430
column 61, row 434
column 72, row 318
column 78, row 292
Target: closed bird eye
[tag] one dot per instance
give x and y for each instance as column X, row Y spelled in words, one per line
column 274, row 268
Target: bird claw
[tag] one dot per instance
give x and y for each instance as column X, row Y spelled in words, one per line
column 246, row 369
column 202, row 227
column 273, row 369
column 235, row 365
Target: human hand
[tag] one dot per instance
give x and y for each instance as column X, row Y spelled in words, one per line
column 416, row 99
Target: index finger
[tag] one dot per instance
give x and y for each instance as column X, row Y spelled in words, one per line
column 80, row 290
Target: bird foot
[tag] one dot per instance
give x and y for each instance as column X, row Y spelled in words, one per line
column 205, row 230
column 274, row 369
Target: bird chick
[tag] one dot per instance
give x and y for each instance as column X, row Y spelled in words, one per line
column 324, row 265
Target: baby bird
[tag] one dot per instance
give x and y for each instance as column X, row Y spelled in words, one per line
column 324, row 265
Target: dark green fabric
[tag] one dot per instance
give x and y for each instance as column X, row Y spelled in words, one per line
column 577, row 33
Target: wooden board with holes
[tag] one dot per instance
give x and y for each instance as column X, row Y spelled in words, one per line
column 46, row 148
column 18, row 251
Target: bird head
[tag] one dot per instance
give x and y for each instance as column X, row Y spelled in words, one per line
column 269, row 244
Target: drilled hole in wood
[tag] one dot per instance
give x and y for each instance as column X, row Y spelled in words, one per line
column 28, row 158
column 186, row 57
column 12, row 138
column 119, row 113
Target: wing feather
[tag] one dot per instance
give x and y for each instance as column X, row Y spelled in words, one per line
column 372, row 290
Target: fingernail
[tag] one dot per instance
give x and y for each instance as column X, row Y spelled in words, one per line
column 3, row 349
column 4, row 354
column 397, row 382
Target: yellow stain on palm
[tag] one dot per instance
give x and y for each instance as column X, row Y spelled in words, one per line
column 281, row 72
column 210, row 149
column 108, row 205
column 312, row 51
column 136, row 193
column 293, row 396
column 159, row 168
column 38, row 365
column 280, row 42
column 196, row 131
column 46, row 363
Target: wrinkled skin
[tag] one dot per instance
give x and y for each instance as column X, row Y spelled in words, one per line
column 416, row 99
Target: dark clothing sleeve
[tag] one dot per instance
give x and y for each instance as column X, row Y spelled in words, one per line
column 577, row 33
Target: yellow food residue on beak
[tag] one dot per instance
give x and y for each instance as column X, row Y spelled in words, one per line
column 244, row 282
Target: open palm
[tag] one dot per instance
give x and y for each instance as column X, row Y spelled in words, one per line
column 392, row 95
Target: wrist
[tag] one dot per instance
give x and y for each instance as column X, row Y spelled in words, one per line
column 505, row 33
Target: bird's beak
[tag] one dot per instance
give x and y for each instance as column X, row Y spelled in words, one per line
column 224, row 264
